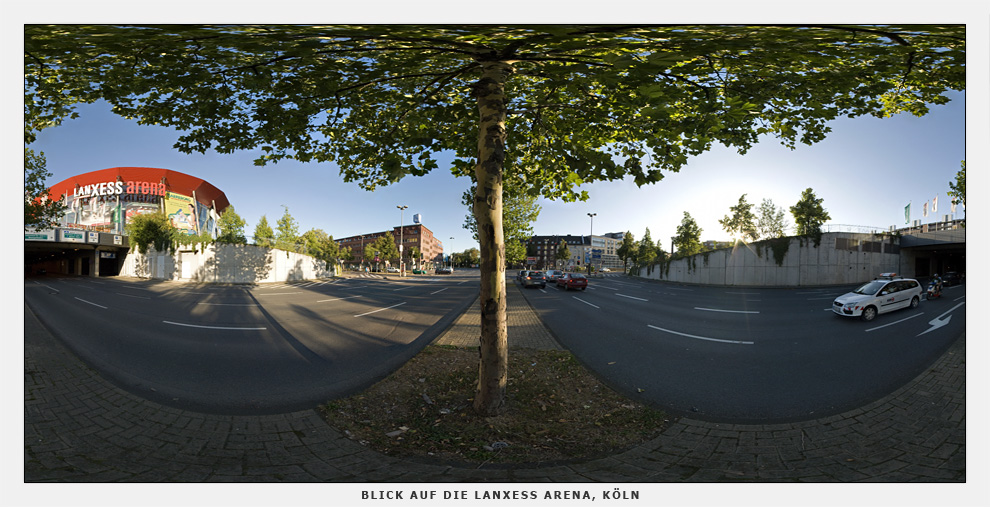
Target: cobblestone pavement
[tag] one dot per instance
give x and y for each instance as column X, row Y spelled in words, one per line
column 78, row 427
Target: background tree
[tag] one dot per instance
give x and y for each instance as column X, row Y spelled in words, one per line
column 544, row 108
column 40, row 209
column 563, row 254
column 231, row 227
column 467, row 258
column 415, row 254
column 287, row 233
column 645, row 253
column 152, row 230
column 264, row 236
column 957, row 189
column 320, row 245
column 741, row 222
column 809, row 215
column 687, row 240
column 519, row 212
column 385, row 247
column 627, row 250
column 770, row 222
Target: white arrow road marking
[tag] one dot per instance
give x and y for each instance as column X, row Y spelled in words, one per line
column 937, row 322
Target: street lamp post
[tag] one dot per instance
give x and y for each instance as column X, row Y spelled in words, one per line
column 402, row 265
column 451, row 253
column 591, row 241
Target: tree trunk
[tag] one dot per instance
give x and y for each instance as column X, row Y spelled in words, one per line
column 494, row 350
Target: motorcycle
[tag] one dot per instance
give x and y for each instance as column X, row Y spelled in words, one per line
column 934, row 290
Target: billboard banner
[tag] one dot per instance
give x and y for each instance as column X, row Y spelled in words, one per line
column 181, row 210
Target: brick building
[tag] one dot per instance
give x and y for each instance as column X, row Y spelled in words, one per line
column 414, row 235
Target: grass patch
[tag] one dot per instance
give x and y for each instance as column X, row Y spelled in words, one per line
column 556, row 410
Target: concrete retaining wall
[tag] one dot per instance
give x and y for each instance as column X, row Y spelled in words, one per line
column 840, row 259
column 226, row 264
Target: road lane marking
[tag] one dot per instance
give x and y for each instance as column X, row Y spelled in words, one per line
column 585, row 302
column 744, row 293
column 222, row 328
column 735, row 342
column 280, row 294
column 48, row 286
column 338, row 299
column 895, row 322
column 631, row 297
column 441, row 290
column 380, row 309
column 228, row 304
column 91, row 303
column 724, row 311
column 131, row 295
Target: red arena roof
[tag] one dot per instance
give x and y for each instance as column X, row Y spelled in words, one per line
column 177, row 182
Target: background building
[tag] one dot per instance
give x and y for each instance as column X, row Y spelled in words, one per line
column 414, row 235
column 600, row 251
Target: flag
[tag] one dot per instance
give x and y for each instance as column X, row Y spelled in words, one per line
column 907, row 214
column 935, row 204
column 924, row 209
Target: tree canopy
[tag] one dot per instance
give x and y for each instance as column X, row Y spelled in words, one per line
column 688, row 238
column 809, row 215
column 40, row 210
column 264, row 236
column 586, row 103
column 741, row 223
column 231, row 227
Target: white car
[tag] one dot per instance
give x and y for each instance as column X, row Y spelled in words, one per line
column 884, row 294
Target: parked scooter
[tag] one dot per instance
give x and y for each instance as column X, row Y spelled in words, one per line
column 934, row 288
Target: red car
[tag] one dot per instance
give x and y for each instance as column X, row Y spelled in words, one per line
column 572, row 281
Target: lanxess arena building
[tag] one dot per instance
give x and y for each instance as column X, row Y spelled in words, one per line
column 89, row 239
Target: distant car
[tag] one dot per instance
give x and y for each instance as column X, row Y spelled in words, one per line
column 953, row 278
column 392, row 269
column 606, row 270
column 553, row 274
column 521, row 274
column 572, row 281
column 884, row 294
column 445, row 270
column 534, row 279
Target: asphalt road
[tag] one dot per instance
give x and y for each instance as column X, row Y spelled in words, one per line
column 742, row 355
column 268, row 348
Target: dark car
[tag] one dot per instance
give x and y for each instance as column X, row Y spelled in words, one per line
column 572, row 281
column 534, row 279
column 953, row 278
column 521, row 274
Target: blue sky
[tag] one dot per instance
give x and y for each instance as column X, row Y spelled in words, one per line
column 866, row 171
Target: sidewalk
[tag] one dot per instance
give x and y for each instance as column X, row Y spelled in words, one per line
column 80, row 428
